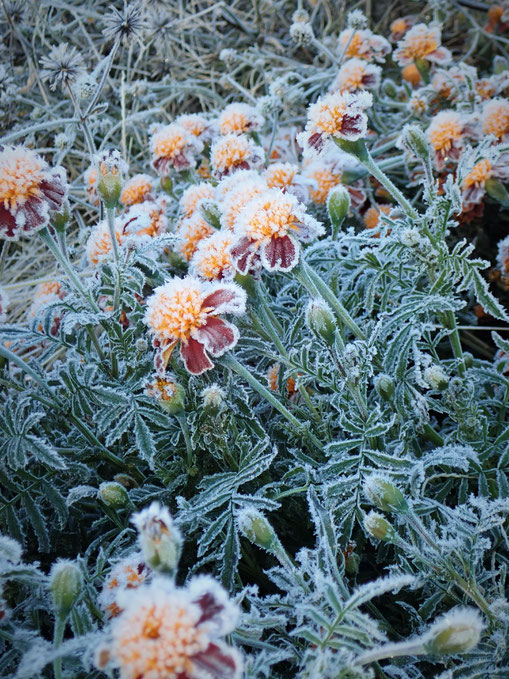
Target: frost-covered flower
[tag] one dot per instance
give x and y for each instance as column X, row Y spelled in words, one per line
column 145, row 219
column 238, row 196
column 124, row 24
column 188, row 311
column 446, row 136
column 44, row 294
column 166, row 632
column 90, row 179
column 458, row 631
column 322, row 178
column 356, row 74
column 197, row 125
column 273, row 382
column 495, row 118
column 158, row 537
column 136, row 189
column 400, row 26
column 30, row 191
column 193, row 197
column 363, row 44
column 98, row 245
column 335, row 115
column 62, row 66
column 238, row 118
column 411, row 74
column 372, row 216
column 268, row 230
column 418, row 103
column 301, row 32
column 174, row 147
column 129, row 573
column 233, row 152
column 191, row 230
column 286, row 176
column 212, row 259
column 422, row 42
column 473, row 185
column 111, row 170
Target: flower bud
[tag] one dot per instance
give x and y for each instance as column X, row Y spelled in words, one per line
column 255, row 527
column 113, row 494
column 166, row 184
column 500, row 65
column 302, row 33
column 60, row 219
column 170, row 395
column 436, row 378
column 384, row 494
column 126, row 480
column 211, row 213
column 66, row 582
column 458, row 631
column 413, row 139
column 355, row 148
column 338, row 204
column 111, row 169
column 496, row 190
column 352, row 561
column 384, row 385
column 159, row 538
column 213, row 399
column 321, row 321
column 389, row 88
column 378, row 527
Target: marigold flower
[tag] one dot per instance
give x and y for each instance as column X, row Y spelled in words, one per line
column 165, row 633
column 273, row 382
column 285, row 176
column 145, row 219
column 411, row 74
column 473, row 184
column 233, row 152
column 495, row 118
column 485, row 88
column 445, row 134
column 136, row 190
column 129, row 573
column 267, row 232
column 98, row 245
column 356, row 74
column 190, row 231
column 212, row 259
column 187, row 311
column 197, row 125
column 400, row 26
column 363, row 44
column 324, row 177
column 238, row 197
column 90, row 177
column 335, row 115
column 448, row 83
column 29, row 192
column 422, row 42
column 418, row 103
column 372, row 216
column 194, row 195
column 173, row 146
column 238, row 118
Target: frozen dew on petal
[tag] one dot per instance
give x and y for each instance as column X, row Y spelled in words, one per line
column 357, row 74
column 363, row 44
column 158, row 537
column 239, row 195
column 136, row 190
column 495, row 118
column 197, row 125
column 193, row 196
column 238, row 118
column 98, row 245
column 174, row 147
column 424, row 43
column 145, row 219
column 129, row 573
column 188, row 311
column 62, row 66
column 232, row 152
column 446, row 136
column 212, row 259
column 191, row 231
column 30, row 191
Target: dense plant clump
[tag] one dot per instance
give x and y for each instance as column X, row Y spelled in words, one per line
column 254, row 354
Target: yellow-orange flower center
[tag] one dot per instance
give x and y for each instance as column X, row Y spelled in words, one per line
column 479, row 174
column 326, row 180
column 444, row 134
column 272, row 219
column 280, row 176
column 174, row 315
column 329, row 118
column 214, row 257
column 496, row 119
column 135, row 191
column 230, row 152
column 350, row 77
column 192, row 231
column 420, row 45
column 168, row 145
column 233, row 122
column 21, row 174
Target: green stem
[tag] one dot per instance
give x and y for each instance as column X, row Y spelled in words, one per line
column 58, row 635
column 454, row 338
column 181, row 417
column 313, row 282
column 110, row 216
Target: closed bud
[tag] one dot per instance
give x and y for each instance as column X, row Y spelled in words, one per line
column 384, row 494
column 378, row 527
column 166, row 184
column 355, row 148
column 321, row 321
column 110, row 177
column 413, row 139
column 459, row 631
column 255, row 527
column 389, row 88
column 384, row 385
column 159, row 538
column 496, row 190
column 500, row 65
column 211, row 213
column 113, row 494
column 66, row 582
column 213, row 399
column 61, row 219
column 170, row 395
column 436, row 378
column 338, row 205
column 468, row 359
column 352, row 562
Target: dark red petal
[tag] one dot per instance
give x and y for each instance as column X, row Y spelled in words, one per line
column 316, row 141
column 210, row 607
column 216, row 335
column 220, row 662
column 357, row 196
column 242, row 252
column 219, row 297
column 352, row 124
column 7, row 223
column 162, row 166
column 54, row 191
column 194, row 357
column 36, row 213
column 281, row 254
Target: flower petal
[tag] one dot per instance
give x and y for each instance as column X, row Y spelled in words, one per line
column 162, row 357
column 219, row 661
column 194, row 357
column 226, row 298
column 242, row 253
column 54, row 190
column 353, row 126
column 8, row 227
column 280, row 254
column 216, row 335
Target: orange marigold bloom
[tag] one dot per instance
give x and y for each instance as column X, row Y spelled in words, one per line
column 233, row 152
column 445, row 134
column 169, row 633
column 145, row 219
column 90, row 177
column 411, row 74
column 363, row 44
column 239, row 196
column 273, row 381
column 356, row 74
column 485, row 88
column 372, row 216
column 422, row 42
column 98, row 246
column 400, row 26
column 30, row 191
column 495, row 118
column 194, row 195
column 196, row 124
column 187, row 311
column 212, row 259
column 174, row 147
column 191, row 230
column 129, row 573
column 136, row 190
column 238, row 118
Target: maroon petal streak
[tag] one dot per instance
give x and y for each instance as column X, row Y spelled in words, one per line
column 7, row 224
column 194, row 357
column 281, row 254
column 217, row 336
column 242, row 252
column 220, row 662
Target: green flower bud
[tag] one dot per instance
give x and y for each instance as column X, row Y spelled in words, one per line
column 500, row 65
column 66, row 583
column 458, row 631
column 378, row 527
column 355, row 148
column 384, row 494
column 352, row 562
column 60, row 219
column 110, row 179
column 211, row 213
column 413, row 139
column 496, row 190
column 321, row 321
column 255, row 527
column 436, row 378
column 126, row 480
column 213, row 399
column 384, row 385
column 113, row 494
column 468, row 359
column 389, row 88
column 166, row 184
column 159, row 538
column 338, row 204
column 170, row 395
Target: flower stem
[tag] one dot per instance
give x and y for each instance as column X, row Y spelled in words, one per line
column 110, row 216
column 58, row 635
